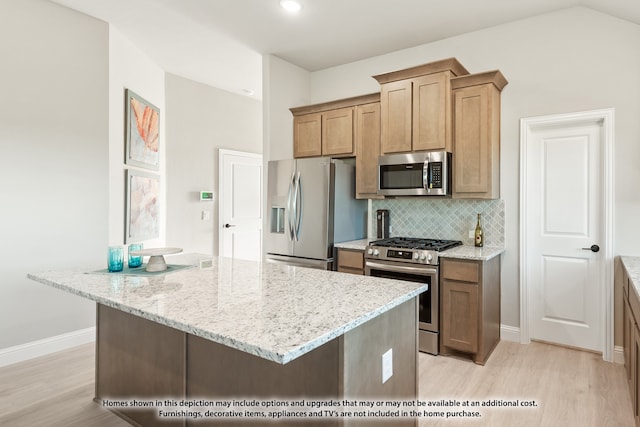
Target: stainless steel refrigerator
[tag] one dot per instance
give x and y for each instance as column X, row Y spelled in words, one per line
column 311, row 205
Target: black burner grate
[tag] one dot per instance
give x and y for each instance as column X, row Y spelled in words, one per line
column 416, row 243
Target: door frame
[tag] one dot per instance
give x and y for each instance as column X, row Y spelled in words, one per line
column 604, row 117
column 222, row 152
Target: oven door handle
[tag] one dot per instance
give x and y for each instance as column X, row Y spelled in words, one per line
column 423, row 271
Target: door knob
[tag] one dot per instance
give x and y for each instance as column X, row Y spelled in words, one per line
column 593, row 248
column 228, row 225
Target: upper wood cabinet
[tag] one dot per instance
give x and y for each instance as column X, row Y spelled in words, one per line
column 337, row 132
column 476, row 147
column 327, row 129
column 324, row 134
column 307, row 135
column 367, row 135
column 416, row 109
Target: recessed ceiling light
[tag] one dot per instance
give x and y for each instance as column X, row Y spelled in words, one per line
column 290, row 5
column 248, row 92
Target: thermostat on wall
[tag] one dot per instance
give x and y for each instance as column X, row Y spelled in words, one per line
column 206, row 196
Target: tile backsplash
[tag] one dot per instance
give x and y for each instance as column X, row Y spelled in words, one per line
column 442, row 218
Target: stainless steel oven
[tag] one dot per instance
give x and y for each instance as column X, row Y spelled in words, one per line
column 428, row 300
column 414, row 260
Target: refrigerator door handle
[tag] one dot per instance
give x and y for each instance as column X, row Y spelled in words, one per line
column 294, row 207
column 299, row 205
column 290, row 208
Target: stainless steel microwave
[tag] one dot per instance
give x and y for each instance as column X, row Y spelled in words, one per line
column 426, row 173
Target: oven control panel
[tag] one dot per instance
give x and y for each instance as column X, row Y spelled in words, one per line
column 392, row 253
column 402, row 255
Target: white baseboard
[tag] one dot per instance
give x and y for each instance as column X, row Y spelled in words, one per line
column 618, row 354
column 509, row 333
column 30, row 350
column 512, row 333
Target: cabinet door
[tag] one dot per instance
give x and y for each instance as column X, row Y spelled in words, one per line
column 432, row 112
column 367, row 150
column 337, row 132
column 395, row 111
column 476, row 147
column 635, row 374
column 351, row 261
column 307, row 135
column 460, row 315
column 627, row 332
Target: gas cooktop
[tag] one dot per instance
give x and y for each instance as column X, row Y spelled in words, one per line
column 416, row 243
column 409, row 249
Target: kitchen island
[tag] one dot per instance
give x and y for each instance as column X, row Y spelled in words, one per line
column 233, row 329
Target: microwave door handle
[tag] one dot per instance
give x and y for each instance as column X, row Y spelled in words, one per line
column 426, row 175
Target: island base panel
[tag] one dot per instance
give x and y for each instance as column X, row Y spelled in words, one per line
column 140, row 358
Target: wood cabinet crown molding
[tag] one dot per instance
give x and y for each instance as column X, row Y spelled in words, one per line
column 495, row 77
column 332, row 105
column 449, row 64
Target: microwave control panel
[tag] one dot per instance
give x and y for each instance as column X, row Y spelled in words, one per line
column 436, row 175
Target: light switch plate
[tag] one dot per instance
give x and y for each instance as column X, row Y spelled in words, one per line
column 387, row 365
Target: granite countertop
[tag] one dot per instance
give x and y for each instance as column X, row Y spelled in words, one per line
column 632, row 265
column 460, row 252
column 471, row 252
column 358, row 245
column 273, row 311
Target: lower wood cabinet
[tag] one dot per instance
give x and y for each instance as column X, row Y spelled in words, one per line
column 631, row 339
column 460, row 305
column 350, row 261
column 469, row 307
column 635, row 374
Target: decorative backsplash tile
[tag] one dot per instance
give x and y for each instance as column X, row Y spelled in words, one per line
column 443, row 218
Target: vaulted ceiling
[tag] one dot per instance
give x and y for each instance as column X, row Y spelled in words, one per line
column 221, row 42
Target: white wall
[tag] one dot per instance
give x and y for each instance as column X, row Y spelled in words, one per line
column 130, row 68
column 53, row 163
column 572, row 60
column 284, row 86
column 200, row 120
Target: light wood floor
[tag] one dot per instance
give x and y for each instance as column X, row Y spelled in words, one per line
column 571, row 388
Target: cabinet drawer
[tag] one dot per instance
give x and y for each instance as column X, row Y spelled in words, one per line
column 634, row 304
column 351, row 259
column 465, row 271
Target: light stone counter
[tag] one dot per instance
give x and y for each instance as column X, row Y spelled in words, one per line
column 276, row 312
column 632, row 265
column 471, row 252
column 460, row 252
column 356, row 245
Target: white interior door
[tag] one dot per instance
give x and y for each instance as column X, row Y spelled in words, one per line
column 564, row 217
column 240, row 205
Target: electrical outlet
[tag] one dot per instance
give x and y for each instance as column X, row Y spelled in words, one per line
column 472, row 234
column 387, row 365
